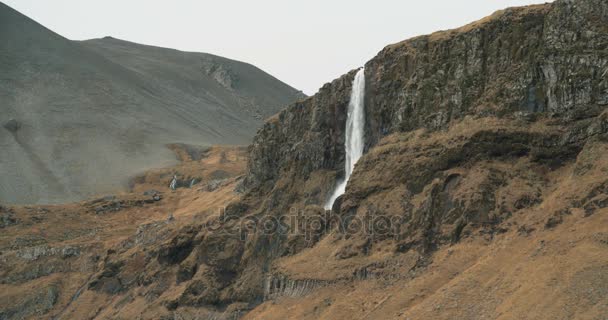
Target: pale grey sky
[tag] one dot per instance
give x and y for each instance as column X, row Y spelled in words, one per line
column 304, row 43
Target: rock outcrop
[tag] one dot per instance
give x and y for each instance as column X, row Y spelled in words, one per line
column 442, row 112
column 547, row 60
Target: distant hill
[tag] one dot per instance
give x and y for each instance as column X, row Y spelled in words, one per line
column 81, row 117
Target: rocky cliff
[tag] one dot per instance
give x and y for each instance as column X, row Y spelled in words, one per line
column 456, row 121
column 539, row 61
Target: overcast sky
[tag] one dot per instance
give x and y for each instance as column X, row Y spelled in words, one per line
column 304, row 43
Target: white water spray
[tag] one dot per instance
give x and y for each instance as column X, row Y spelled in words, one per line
column 353, row 142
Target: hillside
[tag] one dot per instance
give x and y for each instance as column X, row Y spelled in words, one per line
column 88, row 115
column 482, row 193
column 244, row 89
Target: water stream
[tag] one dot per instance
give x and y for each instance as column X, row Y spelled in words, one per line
column 353, row 142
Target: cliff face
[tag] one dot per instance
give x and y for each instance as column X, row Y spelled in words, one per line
column 307, row 136
column 547, row 60
column 464, row 128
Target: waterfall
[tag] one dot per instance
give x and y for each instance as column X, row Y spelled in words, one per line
column 353, row 140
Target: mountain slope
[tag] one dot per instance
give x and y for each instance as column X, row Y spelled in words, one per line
column 90, row 114
column 241, row 86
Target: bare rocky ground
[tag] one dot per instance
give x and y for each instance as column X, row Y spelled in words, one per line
column 498, row 237
column 533, row 244
column 51, row 255
column 79, row 118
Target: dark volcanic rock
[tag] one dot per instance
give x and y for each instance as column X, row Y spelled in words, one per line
column 7, row 217
column 179, row 248
column 38, row 304
column 548, row 59
column 307, row 136
column 12, row 125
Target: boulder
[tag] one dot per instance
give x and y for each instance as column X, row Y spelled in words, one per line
column 12, row 125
